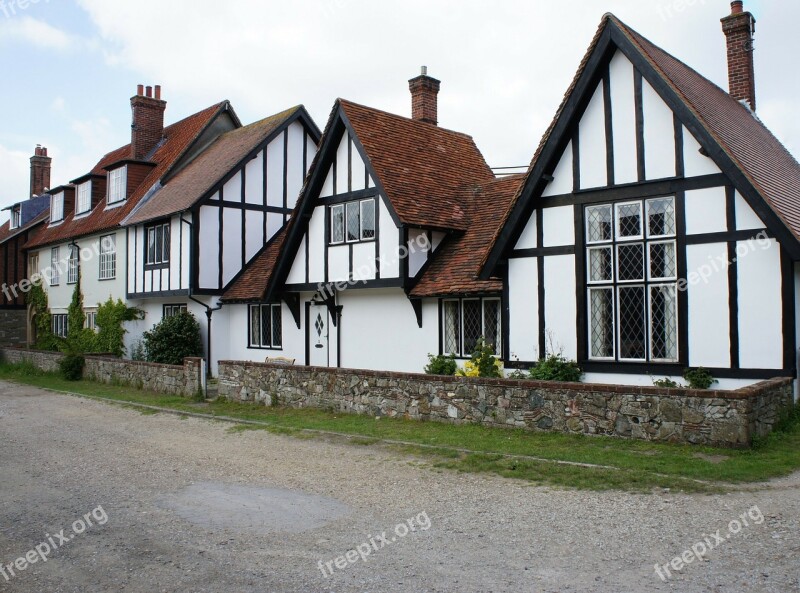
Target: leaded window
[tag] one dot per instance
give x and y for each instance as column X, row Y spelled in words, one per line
column 266, row 326
column 352, row 222
column 465, row 321
column 631, row 257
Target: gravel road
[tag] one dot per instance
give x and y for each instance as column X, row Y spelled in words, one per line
column 166, row 504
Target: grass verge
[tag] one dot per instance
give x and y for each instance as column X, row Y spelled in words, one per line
column 538, row 457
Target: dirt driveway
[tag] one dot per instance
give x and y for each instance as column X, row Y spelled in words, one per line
column 156, row 503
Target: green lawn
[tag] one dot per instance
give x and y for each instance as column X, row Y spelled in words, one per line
column 630, row 464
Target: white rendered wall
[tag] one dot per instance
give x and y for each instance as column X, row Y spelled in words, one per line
column 706, row 211
column 709, row 311
column 592, row 145
column 562, row 175
column 659, row 135
column 527, row 240
column 209, row 250
column 694, row 163
column 560, row 307
column 746, row 218
column 558, row 226
column 523, row 303
column 647, row 380
column 623, row 118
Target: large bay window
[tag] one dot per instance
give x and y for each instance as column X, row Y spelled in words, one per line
column 465, row 321
column 631, row 261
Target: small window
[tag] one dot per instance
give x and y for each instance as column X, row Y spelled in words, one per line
column 629, row 221
column 73, row 265
column 337, row 223
column 117, row 185
column 158, row 244
column 84, row 202
column 172, row 310
column 91, row 320
column 15, row 218
column 466, row 321
column 108, row 257
column 55, row 269
column 33, row 265
column 60, row 325
column 367, row 220
column 57, row 207
column 266, row 326
column 353, row 226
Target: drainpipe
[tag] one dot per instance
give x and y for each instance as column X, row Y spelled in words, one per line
column 209, row 310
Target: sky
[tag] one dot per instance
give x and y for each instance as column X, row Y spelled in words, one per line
column 69, row 67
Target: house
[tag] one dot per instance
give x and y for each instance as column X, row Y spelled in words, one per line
column 25, row 218
column 377, row 267
column 658, row 226
column 84, row 235
column 194, row 232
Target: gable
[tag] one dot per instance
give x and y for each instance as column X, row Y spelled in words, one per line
column 348, row 171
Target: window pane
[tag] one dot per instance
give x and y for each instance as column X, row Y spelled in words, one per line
column 598, row 223
column 629, row 220
column 159, row 244
column 663, row 323
column 601, row 264
column 151, row 246
column 491, row 324
column 473, row 329
column 277, row 326
column 165, row 239
column 662, row 261
column 353, row 227
column 601, row 303
column 337, row 224
column 632, row 323
column 266, row 326
column 255, row 326
column 451, row 327
column 661, row 217
column 630, row 261
column 368, row 219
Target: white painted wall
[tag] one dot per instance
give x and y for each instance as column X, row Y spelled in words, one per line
column 592, row 145
column 694, row 163
column 760, row 312
column 706, row 211
column 659, row 135
column 562, row 175
column 560, row 306
column 254, row 180
column 209, row 250
column 527, row 240
column 709, row 311
column 316, row 246
column 523, row 300
column 558, row 226
column 389, row 243
column 746, row 218
column 647, row 380
column 623, row 118
column 231, row 244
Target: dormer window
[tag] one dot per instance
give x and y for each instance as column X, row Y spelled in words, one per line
column 57, row 207
column 84, row 202
column 15, row 218
column 117, row 184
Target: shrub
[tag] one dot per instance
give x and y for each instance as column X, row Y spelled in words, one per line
column 666, row 382
column 36, row 298
column 441, row 365
column 173, row 339
column 72, row 367
column 518, row 374
column 111, row 316
column 483, row 362
column 555, row 367
column 699, row 378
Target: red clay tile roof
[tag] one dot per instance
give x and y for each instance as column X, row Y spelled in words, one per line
column 208, row 168
column 7, row 233
column 420, row 166
column 455, row 265
column 178, row 137
column 251, row 285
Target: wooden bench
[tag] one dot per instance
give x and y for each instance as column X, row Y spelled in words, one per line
column 280, row 360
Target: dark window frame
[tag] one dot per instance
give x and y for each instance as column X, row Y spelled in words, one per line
column 463, row 352
column 363, row 233
column 275, row 314
column 160, row 256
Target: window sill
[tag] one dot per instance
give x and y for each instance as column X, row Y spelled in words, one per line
column 106, row 279
column 276, row 348
column 156, row 266
column 112, row 205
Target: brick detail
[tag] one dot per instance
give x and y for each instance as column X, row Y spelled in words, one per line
column 424, row 103
column 40, row 171
column 147, row 129
column 739, row 28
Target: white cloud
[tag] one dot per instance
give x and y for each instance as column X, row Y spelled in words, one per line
column 35, row 32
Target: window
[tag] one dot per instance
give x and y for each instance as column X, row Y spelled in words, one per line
column 172, row 310
column 33, row 265
column 73, row 264
column 60, row 324
column 266, row 326
column 55, row 270
column 157, row 245
column 91, row 320
column 108, row 257
column 84, row 198
column 631, row 256
column 117, row 184
column 465, row 321
column 353, row 221
column 15, row 218
column 57, row 207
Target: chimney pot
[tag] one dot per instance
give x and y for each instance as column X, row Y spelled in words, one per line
column 147, row 128
column 140, row 90
column 148, row 91
column 424, row 103
column 737, row 7
column 158, row 91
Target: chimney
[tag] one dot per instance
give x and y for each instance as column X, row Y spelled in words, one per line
column 423, row 97
column 147, row 127
column 739, row 28
column 40, row 171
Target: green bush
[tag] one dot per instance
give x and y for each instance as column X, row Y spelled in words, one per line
column 667, row 383
column 111, row 316
column 556, row 368
column 483, row 363
column 36, row 299
column 173, row 339
column 699, row 378
column 72, row 367
column 441, row 365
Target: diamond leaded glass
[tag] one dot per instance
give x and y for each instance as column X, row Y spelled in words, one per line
column 601, row 303
column 491, row 322
column 630, row 258
column 601, row 264
column 472, row 325
column 661, row 217
column 632, row 327
column 352, row 222
column 629, row 220
column 662, row 261
column 663, row 323
column 451, row 327
column 598, row 224
column 368, row 219
column 337, row 224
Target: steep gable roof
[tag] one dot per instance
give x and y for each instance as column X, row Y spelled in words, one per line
column 178, row 139
column 253, row 280
column 206, row 171
column 758, row 164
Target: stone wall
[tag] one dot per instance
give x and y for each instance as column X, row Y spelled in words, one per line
column 160, row 378
column 722, row 418
column 13, row 326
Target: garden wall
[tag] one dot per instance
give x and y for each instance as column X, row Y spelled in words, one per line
column 721, row 418
column 161, row 378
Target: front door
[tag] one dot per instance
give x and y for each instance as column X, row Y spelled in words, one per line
column 321, row 336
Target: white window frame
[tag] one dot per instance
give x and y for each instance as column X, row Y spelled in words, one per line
column 91, row 320
column 57, row 207
column 60, row 324
column 108, row 257
column 73, row 264
column 334, row 209
column 55, row 270
column 274, row 309
column 117, row 185
column 33, row 264
column 617, row 219
column 83, row 198
column 174, row 309
column 16, row 218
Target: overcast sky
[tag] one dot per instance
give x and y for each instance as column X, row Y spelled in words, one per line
column 69, row 67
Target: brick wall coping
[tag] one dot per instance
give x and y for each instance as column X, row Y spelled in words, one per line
column 747, row 392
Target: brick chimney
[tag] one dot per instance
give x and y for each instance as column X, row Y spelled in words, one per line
column 40, row 171
column 739, row 28
column 423, row 97
column 147, row 127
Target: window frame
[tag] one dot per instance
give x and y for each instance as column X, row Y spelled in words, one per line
column 59, row 324
column 117, row 185
column 172, row 309
column 107, row 260
column 55, row 269
column 57, row 207
column 460, row 339
column 275, row 313
column 90, row 319
column 15, row 220
column 160, row 246
column 83, row 190
column 73, row 264
column 342, row 209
